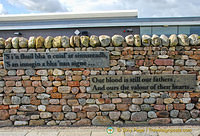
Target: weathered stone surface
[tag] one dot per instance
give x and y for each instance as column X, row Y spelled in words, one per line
column 39, row 42
column 28, row 108
column 129, row 39
column 94, row 40
column 190, row 106
column 134, row 107
column 83, row 122
column 2, row 43
column 66, row 108
column 8, row 43
column 43, row 96
column 64, row 89
column 58, row 116
column 162, row 114
column 65, row 41
column 71, row 41
column 176, row 121
column 101, row 120
column 41, row 108
column 191, row 63
column 156, row 41
column 45, row 115
column 146, row 107
column 159, row 121
column 122, row 107
column 107, row 107
column 5, row 123
column 164, row 40
column 184, row 114
column 48, row 42
column 173, row 40
column 30, row 72
column 42, row 72
column 57, row 42
column 15, row 42
column 114, row 115
column 77, row 41
column 168, row 100
column 139, row 116
column 194, row 113
column 149, row 100
column 31, row 42
column 152, row 114
column 104, row 40
column 117, row 40
column 125, row 115
column 194, row 40
column 20, row 123
column 70, row 115
column 146, row 40
column 3, row 72
column 91, row 107
column 183, row 40
column 36, row 122
column 137, row 41
column 18, row 89
column 15, row 100
column 58, row 72
column 54, row 108
column 4, row 114
column 85, row 40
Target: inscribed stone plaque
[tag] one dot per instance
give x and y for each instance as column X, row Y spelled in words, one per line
column 139, row 83
column 36, row 60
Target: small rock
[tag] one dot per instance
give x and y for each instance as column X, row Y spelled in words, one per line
column 125, row 115
column 149, row 100
column 15, row 42
column 164, row 40
column 41, row 108
column 58, row 116
column 134, row 107
column 25, row 100
column 66, row 108
column 137, row 41
column 28, row 108
column 146, row 107
column 57, row 42
column 8, row 43
column 83, row 122
column 160, row 121
column 117, row 40
column 71, row 41
column 152, row 114
column 5, row 123
column 2, row 43
column 146, row 40
column 107, row 107
column 65, row 41
column 183, row 40
column 77, row 41
column 31, row 42
column 91, row 107
column 189, row 106
column 39, row 42
column 183, row 114
column 85, row 40
column 45, row 115
column 162, row 114
column 104, row 40
column 18, row 89
column 168, row 100
column 176, row 121
column 139, row 116
column 156, row 41
column 43, row 96
column 94, row 40
column 173, row 40
column 64, row 89
column 16, row 100
column 114, row 115
column 194, row 113
column 48, row 42
column 51, row 123
column 42, row 72
column 30, row 72
column 20, row 123
column 102, row 120
column 191, row 63
column 194, row 40
column 4, row 114
column 129, row 39
column 58, row 72
column 36, row 122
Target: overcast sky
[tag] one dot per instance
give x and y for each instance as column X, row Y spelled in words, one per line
column 146, row 8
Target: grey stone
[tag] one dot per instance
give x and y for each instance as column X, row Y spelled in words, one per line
column 71, row 41
column 8, row 43
column 23, row 42
column 48, row 42
column 3, row 72
column 105, row 113
column 15, row 100
column 134, row 107
column 146, row 40
column 116, row 53
column 2, row 43
column 192, row 121
column 30, row 72
column 12, row 72
column 191, row 63
column 90, row 101
column 174, row 113
column 45, row 115
column 156, row 41
column 28, row 108
column 146, row 107
column 164, row 40
column 119, row 123
column 85, row 40
column 137, row 41
column 184, row 114
column 176, row 121
column 152, row 114
column 107, row 107
column 194, row 40
column 130, row 63
column 25, row 100
column 2, row 83
column 125, row 115
column 94, row 40
column 173, row 40
column 129, row 39
column 149, row 100
column 139, row 116
column 117, row 40
column 45, row 102
column 57, row 42
column 43, row 96
column 82, row 101
column 114, row 115
column 70, row 115
column 102, row 120
column 41, row 108
column 65, row 41
column 51, row 123
column 58, row 116
column 64, row 89
column 179, row 62
column 66, row 108
column 31, row 42
column 15, row 42
column 137, row 100
column 18, row 90
column 104, row 40
column 183, row 40
column 122, row 63
column 4, row 123
column 20, row 123
column 194, row 113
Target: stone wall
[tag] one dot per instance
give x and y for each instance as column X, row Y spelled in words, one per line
column 61, row 96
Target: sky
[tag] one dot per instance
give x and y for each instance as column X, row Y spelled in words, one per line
column 146, row 8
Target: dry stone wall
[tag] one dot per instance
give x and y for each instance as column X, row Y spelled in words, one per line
column 61, row 96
